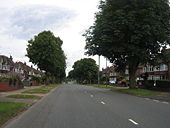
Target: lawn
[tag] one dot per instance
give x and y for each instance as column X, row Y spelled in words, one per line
column 42, row 90
column 10, row 109
column 138, row 92
column 20, row 96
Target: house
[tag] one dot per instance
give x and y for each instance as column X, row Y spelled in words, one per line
column 159, row 72
column 16, row 73
column 6, row 65
column 26, row 72
column 113, row 75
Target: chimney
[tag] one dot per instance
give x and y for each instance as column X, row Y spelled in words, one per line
column 31, row 66
column 11, row 58
column 25, row 63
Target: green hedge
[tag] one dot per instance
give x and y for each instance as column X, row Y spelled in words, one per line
column 160, row 84
column 11, row 80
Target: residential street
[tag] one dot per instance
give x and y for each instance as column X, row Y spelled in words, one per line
column 77, row 106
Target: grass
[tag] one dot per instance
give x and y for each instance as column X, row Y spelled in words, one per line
column 20, row 96
column 137, row 92
column 42, row 90
column 100, row 86
column 10, row 109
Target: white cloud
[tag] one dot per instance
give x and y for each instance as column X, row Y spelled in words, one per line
column 68, row 19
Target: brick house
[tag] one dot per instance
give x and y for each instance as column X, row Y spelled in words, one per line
column 112, row 74
column 159, row 72
column 6, row 65
column 19, row 69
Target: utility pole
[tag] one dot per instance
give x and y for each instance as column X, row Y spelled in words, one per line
column 106, row 62
column 106, row 73
column 99, row 71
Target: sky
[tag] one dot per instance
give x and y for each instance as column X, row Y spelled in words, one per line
column 21, row 20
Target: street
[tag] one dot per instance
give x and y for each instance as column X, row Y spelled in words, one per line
column 78, row 106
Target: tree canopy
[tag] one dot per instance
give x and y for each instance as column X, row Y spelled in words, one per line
column 46, row 52
column 129, row 32
column 84, row 70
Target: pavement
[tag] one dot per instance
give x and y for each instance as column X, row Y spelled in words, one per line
column 76, row 106
column 28, row 101
column 164, row 96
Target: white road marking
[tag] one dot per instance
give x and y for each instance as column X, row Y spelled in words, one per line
column 146, row 98
column 133, row 122
column 156, row 101
column 165, row 102
column 92, row 96
column 103, row 102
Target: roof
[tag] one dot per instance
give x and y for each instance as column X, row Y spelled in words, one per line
column 9, row 61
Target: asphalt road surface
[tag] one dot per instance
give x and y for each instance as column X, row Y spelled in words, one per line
column 77, row 106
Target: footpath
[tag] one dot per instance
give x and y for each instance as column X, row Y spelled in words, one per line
column 4, row 98
column 164, row 96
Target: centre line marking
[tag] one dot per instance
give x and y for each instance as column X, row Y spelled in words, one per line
column 146, row 98
column 165, row 102
column 133, row 122
column 156, row 101
column 103, row 102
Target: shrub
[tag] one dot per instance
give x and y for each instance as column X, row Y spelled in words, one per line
column 11, row 80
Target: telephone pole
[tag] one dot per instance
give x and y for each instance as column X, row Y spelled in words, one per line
column 99, row 71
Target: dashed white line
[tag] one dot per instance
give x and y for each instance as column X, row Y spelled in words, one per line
column 165, row 102
column 103, row 102
column 146, row 98
column 156, row 101
column 133, row 122
column 91, row 96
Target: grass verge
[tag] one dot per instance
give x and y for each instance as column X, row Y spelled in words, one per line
column 100, row 86
column 137, row 92
column 10, row 109
column 20, row 96
column 42, row 90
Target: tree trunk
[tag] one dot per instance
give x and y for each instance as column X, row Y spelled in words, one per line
column 133, row 66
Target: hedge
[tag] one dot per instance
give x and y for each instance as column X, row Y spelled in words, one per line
column 160, row 84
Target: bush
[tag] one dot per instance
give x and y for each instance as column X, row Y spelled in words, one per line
column 11, row 80
column 162, row 85
column 37, row 79
column 4, row 79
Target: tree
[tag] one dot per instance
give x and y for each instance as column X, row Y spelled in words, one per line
column 45, row 51
column 84, row 70
column 130, row 32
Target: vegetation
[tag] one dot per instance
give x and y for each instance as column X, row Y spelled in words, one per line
column 100, row 86
column 11, row 80
column 42, row 90
column 84, row 71
column 10, row 109
column 138, row 92
column 20, row 96
column 46, row 52
column 130, row 33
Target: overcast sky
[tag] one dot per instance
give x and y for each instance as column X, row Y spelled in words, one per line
column 68, row 19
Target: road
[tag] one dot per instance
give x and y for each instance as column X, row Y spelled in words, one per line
column 77, row 106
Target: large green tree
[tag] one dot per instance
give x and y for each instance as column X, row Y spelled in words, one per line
column 130, row 32
column 46, row 52
column 84, row 70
